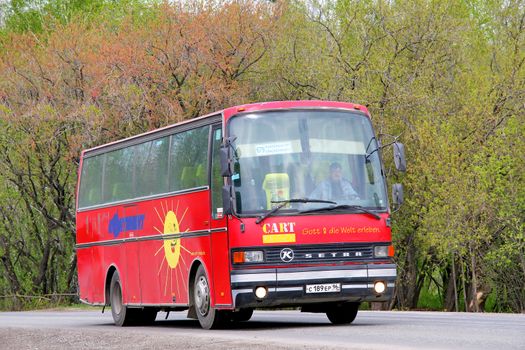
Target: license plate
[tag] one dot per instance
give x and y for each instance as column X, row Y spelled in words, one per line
column 323, row 288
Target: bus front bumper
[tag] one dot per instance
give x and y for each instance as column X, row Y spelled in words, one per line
column 301, row 286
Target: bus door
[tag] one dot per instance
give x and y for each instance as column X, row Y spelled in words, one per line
column 218, row 226
column 132, row 222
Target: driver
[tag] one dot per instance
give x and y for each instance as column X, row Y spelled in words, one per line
column 335, row 187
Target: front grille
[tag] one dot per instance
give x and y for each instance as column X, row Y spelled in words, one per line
column 327, row 253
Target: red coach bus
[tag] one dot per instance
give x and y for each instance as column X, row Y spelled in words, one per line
column 261, row 205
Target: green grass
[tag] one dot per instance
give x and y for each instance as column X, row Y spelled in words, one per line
column 40, row 304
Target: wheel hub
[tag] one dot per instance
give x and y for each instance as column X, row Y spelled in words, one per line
column 202, row 296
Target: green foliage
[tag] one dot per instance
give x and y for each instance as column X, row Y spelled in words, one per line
column 447, row 76
column 38, row 16
column 429, row 299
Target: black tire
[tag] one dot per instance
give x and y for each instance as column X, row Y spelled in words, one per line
column 242, row 315
column 122, row 315
column 208, row 317
column 342, row 313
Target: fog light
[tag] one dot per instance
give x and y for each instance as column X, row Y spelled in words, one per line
column 261, row 292
column 379, row 287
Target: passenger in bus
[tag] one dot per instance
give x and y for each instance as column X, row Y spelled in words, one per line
column 336, row 187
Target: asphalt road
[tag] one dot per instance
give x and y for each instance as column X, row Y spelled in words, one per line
column 267, row 330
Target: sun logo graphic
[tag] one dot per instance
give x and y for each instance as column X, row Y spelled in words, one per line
column 172, row 246
column 176, row 267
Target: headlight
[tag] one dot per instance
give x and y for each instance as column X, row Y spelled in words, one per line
column 252, row 256
column 380, row 251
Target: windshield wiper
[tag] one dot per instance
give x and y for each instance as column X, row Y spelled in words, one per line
column 343, row 206
column 286, row 201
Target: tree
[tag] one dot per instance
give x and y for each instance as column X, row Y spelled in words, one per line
column 72, row 85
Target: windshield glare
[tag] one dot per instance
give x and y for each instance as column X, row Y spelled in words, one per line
column 314, row 154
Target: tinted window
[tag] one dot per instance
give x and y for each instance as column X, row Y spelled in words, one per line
column 216, row 178
column 118, row 175
column 142, row 170
column 151, row 172
column 188, row 163
column 90, row 192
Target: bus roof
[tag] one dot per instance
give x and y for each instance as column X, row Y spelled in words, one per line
column 252, row 107
column 228, row 112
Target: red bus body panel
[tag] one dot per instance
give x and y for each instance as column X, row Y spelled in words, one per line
column 143, row 267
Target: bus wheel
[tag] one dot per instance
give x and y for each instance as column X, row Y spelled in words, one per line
column 122, row 315
column 208, row 316
column 342, row 313
column 242, row 315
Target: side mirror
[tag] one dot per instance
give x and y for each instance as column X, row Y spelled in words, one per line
column 226, row 167
column 226, row 199
column 399, row 156
column 397, row 194
column 226, row 156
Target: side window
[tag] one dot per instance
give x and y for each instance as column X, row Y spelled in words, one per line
column 90, row 192
column 118, row 175
column 216, row 178
column 151, row 167
column 188, row 159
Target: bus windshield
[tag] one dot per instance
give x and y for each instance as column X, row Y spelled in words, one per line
column 305, row 154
